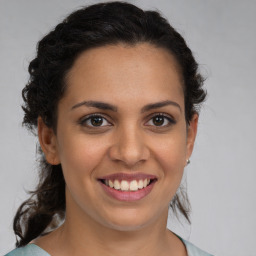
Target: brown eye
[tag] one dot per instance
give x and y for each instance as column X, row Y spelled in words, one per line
column 161, row 120
column 158, row 120
column 95, row 121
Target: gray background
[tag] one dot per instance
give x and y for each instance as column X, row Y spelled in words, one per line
column 221, row 177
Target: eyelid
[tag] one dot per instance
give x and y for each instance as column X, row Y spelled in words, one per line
column 83, row 120
column 170, row 118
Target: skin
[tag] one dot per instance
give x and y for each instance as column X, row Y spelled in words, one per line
column 128, row 140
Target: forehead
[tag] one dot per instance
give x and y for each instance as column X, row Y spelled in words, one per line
column 124, row 71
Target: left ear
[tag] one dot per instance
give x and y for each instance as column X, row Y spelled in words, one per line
column 191, row 134
column 48, row 142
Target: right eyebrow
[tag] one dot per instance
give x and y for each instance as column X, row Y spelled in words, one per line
column 160, row 105
column 96, row 104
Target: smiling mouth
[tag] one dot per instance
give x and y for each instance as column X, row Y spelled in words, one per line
column 126, row 185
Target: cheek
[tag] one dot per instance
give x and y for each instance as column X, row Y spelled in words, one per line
column 172, row 153
column 80, row 158
column 80, row 155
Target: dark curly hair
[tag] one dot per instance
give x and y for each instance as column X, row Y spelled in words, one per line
column 94, row 26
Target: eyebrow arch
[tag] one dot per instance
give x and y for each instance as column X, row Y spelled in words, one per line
column 96, row 104
column 107, row 106
column 159, row 105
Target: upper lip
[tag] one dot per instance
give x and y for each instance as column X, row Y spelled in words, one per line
column 128, row 176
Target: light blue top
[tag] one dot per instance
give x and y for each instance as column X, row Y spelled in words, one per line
column 34, row 250
column 28, row 250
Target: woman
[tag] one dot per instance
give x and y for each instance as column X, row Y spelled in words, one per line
column 113, row 94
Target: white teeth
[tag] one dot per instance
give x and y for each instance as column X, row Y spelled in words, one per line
column 140, row 184
column 134, row 185
column 125, row 185
column 110, row 183
column 117, row 184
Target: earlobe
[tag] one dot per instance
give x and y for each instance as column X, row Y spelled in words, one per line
column 48, row 142
column 191, row 135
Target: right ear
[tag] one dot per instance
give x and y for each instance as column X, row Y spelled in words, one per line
column 48, row 142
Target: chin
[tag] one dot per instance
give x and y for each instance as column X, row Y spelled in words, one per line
column 127, row 227
column 130, row 221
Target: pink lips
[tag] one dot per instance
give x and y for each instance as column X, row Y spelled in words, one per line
column 127, row 176
column 128, row 195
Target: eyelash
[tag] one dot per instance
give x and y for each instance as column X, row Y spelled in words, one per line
column 169, row 119
column 83, row 121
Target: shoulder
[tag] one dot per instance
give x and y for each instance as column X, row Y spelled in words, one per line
column 193, row 250
column 28, row 250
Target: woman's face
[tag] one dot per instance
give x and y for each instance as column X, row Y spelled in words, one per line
column 121, row 137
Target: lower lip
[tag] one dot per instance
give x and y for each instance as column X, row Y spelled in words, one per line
column 128, row 195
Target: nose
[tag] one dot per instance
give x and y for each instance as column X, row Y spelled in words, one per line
column 129, row 147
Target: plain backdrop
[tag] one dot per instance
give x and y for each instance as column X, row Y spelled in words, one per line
column 222, row 175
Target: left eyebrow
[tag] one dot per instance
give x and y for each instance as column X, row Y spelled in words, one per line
column 96, row 104
column 160, row 105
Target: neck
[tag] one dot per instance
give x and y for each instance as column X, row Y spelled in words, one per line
column 91, row 238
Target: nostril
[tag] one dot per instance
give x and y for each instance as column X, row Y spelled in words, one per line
column 129, row 151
